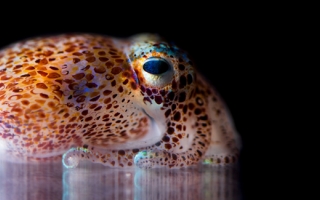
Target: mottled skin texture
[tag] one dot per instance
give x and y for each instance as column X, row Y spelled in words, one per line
column 88, row 97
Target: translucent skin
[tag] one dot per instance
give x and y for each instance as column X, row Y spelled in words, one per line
column 88, row 96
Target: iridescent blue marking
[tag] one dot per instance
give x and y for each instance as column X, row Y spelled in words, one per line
column 140, row 155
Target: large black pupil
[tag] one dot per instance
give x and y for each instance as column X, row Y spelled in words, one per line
column 156, row 66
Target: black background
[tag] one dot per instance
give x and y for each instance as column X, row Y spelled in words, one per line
column 230, row 45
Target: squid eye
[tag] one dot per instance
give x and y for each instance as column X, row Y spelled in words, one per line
column 156, row 66
column 157, row 71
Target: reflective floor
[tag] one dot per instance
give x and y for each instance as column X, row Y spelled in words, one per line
column 95, row 181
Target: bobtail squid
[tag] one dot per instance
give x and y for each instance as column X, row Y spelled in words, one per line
column 117, row 101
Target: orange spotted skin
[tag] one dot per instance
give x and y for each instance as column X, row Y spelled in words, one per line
column 90, row 93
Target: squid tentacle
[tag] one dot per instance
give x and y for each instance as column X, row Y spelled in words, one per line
column 112, row 158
